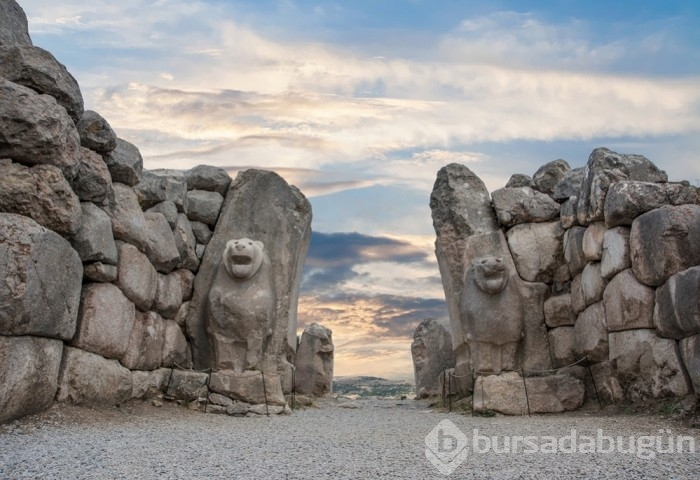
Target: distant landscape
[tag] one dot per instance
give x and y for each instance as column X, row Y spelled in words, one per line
column 363, row 386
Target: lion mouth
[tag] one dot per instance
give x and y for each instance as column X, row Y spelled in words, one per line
column 241, row 259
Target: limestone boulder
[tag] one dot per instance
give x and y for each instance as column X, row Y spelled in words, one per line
column 105, row 321
column 628, row 303
column 41, row 193
column 523, row 205
column 561, row 346
column 573, row 249
column 591, row 335
column 627, row 200
column 432, row 354
column 40, row 280
column 518, row 180
column 145, row 343
column 201, row 232
column 593, row 241
column 505, row 394
column 86, row 378
column 537, row 250
column 592, row 284
column 128, row 222
column 314, row 361
column 162, row 185
column 690, row 353
column 664, row 242
column 15, row 30
column 168, row 295
column 176, row 350
column 558, row 311
column 605, row 168
column 648, row 366
column 569, row 185
column 204, row 206
column 567, row 214
column 92, row 182
column 161, row 249
column 206, row 177
column 248, row 386
column 187, row 385
column 548, row 176
column 149, row 383
column 94, row 241
column 34, row 129
column 677, row 308
column 181, row 317
column 29, row 374
column 186, row 278
column 125, row 163
column 100, row 272
column 578, row 304
column 137, row 278
column 168, row 210
column 616, row 252
column 186, row 244
column 533, row 351
column 96, row 133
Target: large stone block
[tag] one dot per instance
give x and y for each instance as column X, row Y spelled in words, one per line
column 548, row 176
column 187, row 385
column 646, row 365
column 34, row 129
column 537, row 250
column 28, row 374
column 100, row 272
column 162, row 185
column 616, row 252
column 137, row 278
column 567, row 215
column 15, row 30
column 145, row 343
column 515, row 206
column 176, row 350
column 87, row 378
column 94, row 241
column 573, row 249
column 561, row 344
column 592, row 284
column 677, row 308
column 168, row 210
column 558, row 311
column 664, row 242
column 41, row 193
column 128, row 222
column 96, row 133
column 148, row 384
column 591, row 335
column 432, row 354
column 105, row 322
column 125, row 163
column 206, row 177
column 578, row 304
column 593, row 241
column 314, row 360
column 628, row 304
column 161, row 249
column 204, row 206
column 168, row 295
column 248, row 386
column 690, row 353
column 186, row 244
column 92, row 181
column 569, row 186
column 40, row 280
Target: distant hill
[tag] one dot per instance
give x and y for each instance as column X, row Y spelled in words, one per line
column 365, row 386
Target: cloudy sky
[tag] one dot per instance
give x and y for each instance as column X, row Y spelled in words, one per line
column 359, row 103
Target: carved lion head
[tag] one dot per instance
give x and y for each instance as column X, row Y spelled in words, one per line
column 490, row 274
column 243, row 257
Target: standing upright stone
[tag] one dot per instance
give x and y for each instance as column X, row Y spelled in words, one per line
column 314, row 362
column 432, row 354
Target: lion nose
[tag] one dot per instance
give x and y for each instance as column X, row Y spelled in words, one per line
column 239, row 246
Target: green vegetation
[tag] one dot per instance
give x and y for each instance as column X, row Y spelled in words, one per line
column 372, row 387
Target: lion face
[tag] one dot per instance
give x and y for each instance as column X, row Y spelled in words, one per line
column 490, row 274
column 243, row 257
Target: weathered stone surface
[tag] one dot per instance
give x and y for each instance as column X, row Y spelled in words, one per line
column 145, row 342
column 604, row 168
column 592, row 284
column 646, row 365
column 218, row 399
column 37, row 69
column 199, row 251
column 125, row 163
column 505, row 393
column 29, row 374
column 176, row 351
column 105, row 321
column 92, row 182
column 281, row 220
column 169, row 211
column 186, row 283
column 138, row 279
column 162, row 185
column 616, row 252
column 523, row 205
column 201, row 232
column 558, row 311
column 100, row 272
column 567, row 215
column 664, row 242
column 149, row 384
column 533, row 351
column 569, row 185
column 161, row 249
column 14, row 29
column 549, row 175
column 94, row 241
column 34, row 129
column 128, row 221
column 432, row 353
column 573, row 249
column 87, row 378
column 537, row 250
column 561, row 346
column 40, row 280
column 690, row 353
column 206, row 177
column 41, row 193
column 168, row 295
column 628, row 303
column 204, row 206
column 593, row 241
column 248, row 386
column 578, row 305
column 590, row 334
column 186, row 385
column 181, row 317
column 677, row 308
column 96, row 133
column 186, row 244
column 626, row 200
column 518, row 180
column 314, row 361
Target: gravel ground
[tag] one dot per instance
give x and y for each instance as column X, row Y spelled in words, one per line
column 380, row 439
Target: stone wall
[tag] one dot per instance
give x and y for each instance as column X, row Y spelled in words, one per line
column 616, row 250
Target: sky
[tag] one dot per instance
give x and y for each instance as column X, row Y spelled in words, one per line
column 360, row 103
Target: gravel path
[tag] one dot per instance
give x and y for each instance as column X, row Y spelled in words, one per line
column 380, row 439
